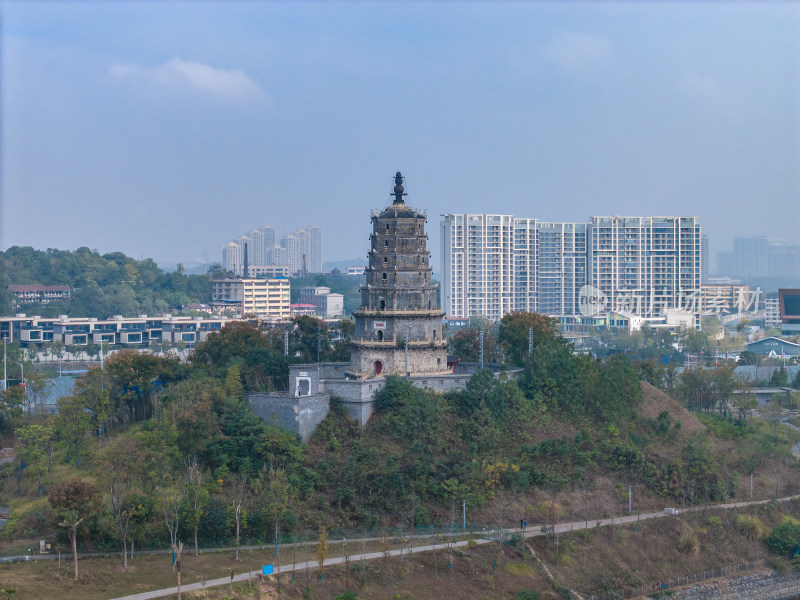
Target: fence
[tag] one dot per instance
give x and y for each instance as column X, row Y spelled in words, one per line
column 153, row 544
column 665, row 589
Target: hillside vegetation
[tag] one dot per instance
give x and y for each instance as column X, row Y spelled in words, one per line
column 150, row 452
column 101, row 285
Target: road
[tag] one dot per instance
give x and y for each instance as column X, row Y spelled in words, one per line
column 532, row 531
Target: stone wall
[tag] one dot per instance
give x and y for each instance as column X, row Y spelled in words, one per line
column 298, row 415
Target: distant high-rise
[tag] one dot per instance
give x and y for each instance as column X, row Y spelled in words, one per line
column 759, row 256
column 297, row 251
column 231, row 257
column 751, row 256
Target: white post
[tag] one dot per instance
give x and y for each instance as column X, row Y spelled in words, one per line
column 464, row 513
column 5, row 377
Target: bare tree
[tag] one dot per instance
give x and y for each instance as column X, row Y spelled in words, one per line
column 198, row 497
column 171, row 499
column 237, row 500
column 178, row 548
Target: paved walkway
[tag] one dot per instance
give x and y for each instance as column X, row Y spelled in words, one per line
column 533, row 531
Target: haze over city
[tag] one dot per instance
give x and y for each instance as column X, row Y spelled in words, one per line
column 166, row 129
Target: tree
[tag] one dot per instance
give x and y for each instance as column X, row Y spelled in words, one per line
column 72, row 503
column 198, row 497
column 785, row 538
column 71, row 521
column 33, row 441
column 237, row 495
column 465, row 343
column 779, row 377
column 515, row 334
column 118, row 470
column 322, row 550
column 279, row 499
column 92, row 389
column 72, row 425
column 11, row 402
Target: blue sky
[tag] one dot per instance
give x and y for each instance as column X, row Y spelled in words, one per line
column 165, row 129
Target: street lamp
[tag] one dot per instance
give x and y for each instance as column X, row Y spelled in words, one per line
column 5, row 375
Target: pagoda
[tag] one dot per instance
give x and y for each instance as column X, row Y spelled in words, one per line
column 399, row 323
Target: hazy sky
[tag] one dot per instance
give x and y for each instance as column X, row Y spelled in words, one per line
column 166, row 129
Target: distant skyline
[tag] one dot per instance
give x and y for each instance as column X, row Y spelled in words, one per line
column 165, row 129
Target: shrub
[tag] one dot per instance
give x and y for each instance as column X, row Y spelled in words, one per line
column 715, row 521
column 526, row 595
column 750, row 527
column 781, row 565
column 785, row 538
column 688, row 543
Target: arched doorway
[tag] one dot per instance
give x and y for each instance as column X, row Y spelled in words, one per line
column 378, row 367
column 380, row 335
column 383, row 304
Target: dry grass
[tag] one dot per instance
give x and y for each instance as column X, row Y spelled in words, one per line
column 655, row 402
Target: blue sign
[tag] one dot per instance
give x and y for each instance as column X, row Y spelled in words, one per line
column 266, row 570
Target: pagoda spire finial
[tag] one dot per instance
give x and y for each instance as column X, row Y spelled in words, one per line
column 399, row 190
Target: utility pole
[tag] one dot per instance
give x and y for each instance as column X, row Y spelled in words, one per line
column 406, row 346
column 481, row 350
column 530, row 340
column 286, row 343
column 751, row 487
column 464, row 514
column 319, row 341
column 496, row 336
column 629, row 499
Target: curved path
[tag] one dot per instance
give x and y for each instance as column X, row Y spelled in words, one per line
column 534, row 531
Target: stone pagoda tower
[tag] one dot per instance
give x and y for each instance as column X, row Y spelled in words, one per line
column 398, row 325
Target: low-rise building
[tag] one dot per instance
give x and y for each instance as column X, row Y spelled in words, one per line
column 129, row 332
column 328, row 304
column 264, row 298
column 355, row 271
column 39, row 294
column 300, row 310
column 773, row 346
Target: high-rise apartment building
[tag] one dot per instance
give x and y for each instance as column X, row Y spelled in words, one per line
column 642, row 266
column 561, row 267
column 645, row 265
column 479, row 280
column 525, row 265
